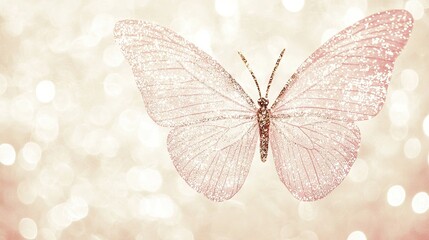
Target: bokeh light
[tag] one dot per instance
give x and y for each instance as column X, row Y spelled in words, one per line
column 359, row 172
column 356, row 235
column 293, row 5
column 28, row 228
column 416, row 8
column 45, row 91
column 412, row 148
column 426, row 125
column 3, row 84
column 226, row 8
column 7, row 154
column 352, row 15
column 420, row 202
column 396, row 195
column 409, row 79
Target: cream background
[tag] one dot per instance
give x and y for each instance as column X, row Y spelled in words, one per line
column 80, row 159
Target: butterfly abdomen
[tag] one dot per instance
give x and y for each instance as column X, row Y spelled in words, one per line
column 263, row 116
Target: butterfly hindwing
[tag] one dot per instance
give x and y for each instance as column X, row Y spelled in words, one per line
column 314, row 161
column 214, row 158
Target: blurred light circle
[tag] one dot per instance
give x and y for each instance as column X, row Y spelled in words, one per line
column 31, row 152
column 22, row 109
column 129, row 120
column 202, row 39
column 356, row 235
column 91, row 141
column 159, row 206
column 149, row 135
column 353, row 15
column 112, row 84
column 47, row 127
column 28, row 228
column 100, row 115
column 65, row 173
column 226, row 8
column 109, row 146
column 139, row 179
column 26, row 193
column 416, row 8
column 112, row 56
column 420, row 202
column 77, row 208
column 395, row 195
column 293, row 5
column 399, row 112
column 426, row 125
column 102, row 25
column 409, row 79
column 359, row 171
column 7, row 154
column 412, row 148
column 398, row 133
column 63, row 100
column 45, row 91
column 307, row 211
column 3, row 84
column 59, row 44
column 58, row 217
column 327, row 34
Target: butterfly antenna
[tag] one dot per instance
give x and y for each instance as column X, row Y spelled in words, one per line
column 274, row 71
column 251, row 72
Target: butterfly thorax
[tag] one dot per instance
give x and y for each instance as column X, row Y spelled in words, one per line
column 263, row 116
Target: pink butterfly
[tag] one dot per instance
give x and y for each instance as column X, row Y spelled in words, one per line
column 310, row 126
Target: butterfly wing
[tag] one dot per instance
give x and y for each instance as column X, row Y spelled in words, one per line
column 312, row 155
column 180, row 84
column 215, row 158
column 315, row 141
column 213, row 140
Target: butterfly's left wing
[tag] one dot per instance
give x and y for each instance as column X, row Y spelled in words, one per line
column 313, row 135
column 214, row 122
column 214, row 158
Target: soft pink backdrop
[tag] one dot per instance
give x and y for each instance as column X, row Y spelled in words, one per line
column 80, row 159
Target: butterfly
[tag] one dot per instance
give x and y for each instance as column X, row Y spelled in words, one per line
column 310, row 126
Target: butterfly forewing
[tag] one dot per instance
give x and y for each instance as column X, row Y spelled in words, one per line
column 345, row 80
column 180, row 84
column 213, row 141
column 348, row 76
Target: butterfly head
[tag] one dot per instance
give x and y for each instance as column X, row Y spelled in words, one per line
column 263, row 102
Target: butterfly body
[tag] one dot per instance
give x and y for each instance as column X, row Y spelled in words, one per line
column 263, row 115
column 310, row 127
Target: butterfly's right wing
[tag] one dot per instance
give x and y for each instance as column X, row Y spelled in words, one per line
column 313, row 155
column 214, row 136
column 314, row 137
column 180, row 84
